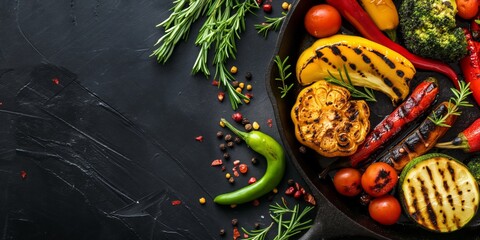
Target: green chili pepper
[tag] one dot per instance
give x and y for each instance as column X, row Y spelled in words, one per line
column 275, row 155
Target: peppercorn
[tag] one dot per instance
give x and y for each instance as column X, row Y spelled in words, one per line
column 243, row 168
column 249, row 87
column 248, row 76
column 241, row 85
column 257, row 226
column 231, row 180
column 219, row 134
column 302, row 149
column 238, row 89
column 248, row 127
column 237, row 117
column 235, row 84
column 227, row 175
column 222, row 124
column 226, row 156
column 275, row 190
column 228, row 137
column 290, row 182
column 230, row 144
column 246, row 101
column 222, row 147
column 255, row 125
column 220, row 96
column 237, row 140
column 245, row 121
column 222, row 232
column 254, row 161
column 202, row 200
column 285, row 6
column 234, row 222
column 233, row 70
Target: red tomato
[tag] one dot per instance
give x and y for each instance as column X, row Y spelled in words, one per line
column 322, row 20
column 347, row 181
column 467, row 9
column 385, row 210
column 378, row 179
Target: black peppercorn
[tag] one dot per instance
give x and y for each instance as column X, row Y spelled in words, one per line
column 248, row 75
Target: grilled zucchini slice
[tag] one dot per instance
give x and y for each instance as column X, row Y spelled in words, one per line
column 438, row 192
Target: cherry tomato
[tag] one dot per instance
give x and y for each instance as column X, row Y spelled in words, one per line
column 467, row 9
column 347, row 181
column 385, row 210
column 322, row 20
column 378, row 179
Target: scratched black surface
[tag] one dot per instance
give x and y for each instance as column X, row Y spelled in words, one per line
column 108, row 146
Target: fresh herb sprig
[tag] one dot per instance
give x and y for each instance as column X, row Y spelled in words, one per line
column 283, row 69
column 270, row 24
column 220, row 31
column 458, row 100
column 368, row 93
column 290, row 222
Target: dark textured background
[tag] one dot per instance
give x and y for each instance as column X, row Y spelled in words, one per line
column 108, row 146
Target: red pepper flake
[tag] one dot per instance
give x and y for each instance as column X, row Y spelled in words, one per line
column 249, row 95
column 290, row 191
column 236, row 233
column 243, row 168
column 298, row 194
column 216, row 162
column 215, row 82
column 252, row 180
column 255, row 203
column 199, row 138
column 309, row 199
column 270, row 122
column 176, row 202
column 237, row 117
column 245, row 235
column 23, row 174
column 55, row 81
column 236, row 162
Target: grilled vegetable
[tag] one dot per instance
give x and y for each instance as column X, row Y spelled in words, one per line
column 369, row 65
column 421, row 140
column 384, row 14
column 468, row 139
column 416, row 104
column 470, row 64
column 438, row 192
column 474, row 167
column 354, row 13
column 327, row 121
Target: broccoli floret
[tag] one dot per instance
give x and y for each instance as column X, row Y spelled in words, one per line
column 429, row 29
column 474, row 167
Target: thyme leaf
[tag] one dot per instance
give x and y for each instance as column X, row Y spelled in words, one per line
column 283, row 69
column 270, row 24
column 459, row 100
column 290, row 222
column 344, row 81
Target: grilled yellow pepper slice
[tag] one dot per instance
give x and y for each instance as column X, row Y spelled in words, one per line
column 384, row 14
column 368, row 63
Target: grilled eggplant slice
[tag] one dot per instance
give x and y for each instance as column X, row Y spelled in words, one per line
column 438, row 192
column 327, row 121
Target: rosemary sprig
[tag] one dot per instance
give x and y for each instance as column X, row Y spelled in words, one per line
column 270, row 24
column 368, row 95
column 220, row 31
column 283, row 69
column 458, row 100
column 290, row 222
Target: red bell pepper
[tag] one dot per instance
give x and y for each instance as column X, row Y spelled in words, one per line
column 470, row 65
column 468, row 140
column 359, row 18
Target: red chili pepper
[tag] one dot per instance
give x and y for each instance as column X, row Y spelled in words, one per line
column 475, row 27
column 216, row 162
column 468, row 140
column 470, row 65
column 415, row 105
column 354, row 13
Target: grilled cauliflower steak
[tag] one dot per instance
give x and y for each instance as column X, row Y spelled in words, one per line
column 327, row 121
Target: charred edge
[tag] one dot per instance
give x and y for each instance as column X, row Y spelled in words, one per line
column 385, row 59
column 417, row 213
column 412, row 142
column 431, row 215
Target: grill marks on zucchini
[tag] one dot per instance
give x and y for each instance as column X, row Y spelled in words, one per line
column 439, row 193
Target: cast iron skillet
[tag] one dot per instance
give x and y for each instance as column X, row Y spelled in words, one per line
column 337, row 216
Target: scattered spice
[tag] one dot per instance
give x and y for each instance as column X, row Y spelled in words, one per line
column 255, row 125
column 219, row 134
column 245, row 121
column 236, row 162
column 252, row 180
column 223, row 147
column 285, row 6
column 241, row 85
column 237, row 140
column 249, row 95
column 233, row 70
column 267, row 7
column 56, row 81
column 222, row 124
column 228, row 137
column 23, row 174
column 290, row 191
column 236, row 233
column 248, row 127
column 237, row 117
column 249, row 87
column 243, row 168
column 269, row 122
column 255, row 203
column 235, row 84
column 230, row 144
column 215, row 83
column 248, row 76
column 231, row 180
column 228, row 175
column 254, row 160
column 220, row 96
column 199, row 138
column 226, row 156
column 275, row 190
column 176, row 202
column 202, row 200
column 216, row 162
column 234, row 222
column 302, row 149
column 222, row 232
